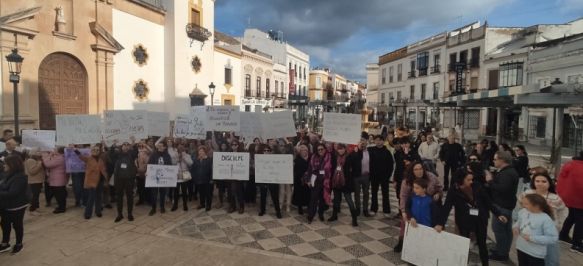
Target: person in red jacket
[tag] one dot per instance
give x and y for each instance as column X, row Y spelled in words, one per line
column 569, row 187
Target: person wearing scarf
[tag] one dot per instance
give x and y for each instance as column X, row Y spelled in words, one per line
column 318, row 178
column 342, row 185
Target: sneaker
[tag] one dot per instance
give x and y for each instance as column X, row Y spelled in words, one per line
column 4, row 247
column 577, row 249
column 17, row 248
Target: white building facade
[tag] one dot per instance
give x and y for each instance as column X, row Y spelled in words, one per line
column 257, row 79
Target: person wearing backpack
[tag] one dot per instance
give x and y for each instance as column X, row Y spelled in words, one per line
column 342, row 185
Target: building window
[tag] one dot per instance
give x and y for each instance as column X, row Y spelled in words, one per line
column 537, row 127
column 470, row 119
column 510, row 74
column 391, row 74
column 247, row 108
column 258, row 88
column 276, row 88
column 423, row 91
column 398, row 95
column 267, row 84
column 452, row 60
column 140, row 55
column 412, row 72
column 282, row 89
column 141, row 90
column 318, row 82
column 435, row 90
column 195, row 16
column 423, row 63
column 412, row 92
column 436, row 63
column 296, row 70
column 399, row 72
column 247, row 85
column 227, row 102
column 474, row 84
column 475, row 61
column 383, row 98
column 228, row 76
column 464, row 57
column 304, row 73
column 384, row 76
column 195, row 64
column 391, row 96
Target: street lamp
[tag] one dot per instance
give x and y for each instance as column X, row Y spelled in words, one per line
column 14, row 66
column 212, row 92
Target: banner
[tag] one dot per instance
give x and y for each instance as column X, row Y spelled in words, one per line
column 191, row 126
column 342, row 128
column 231, row 166
column 158, row 124
column 122, row 125
column 161, row 175
column 72, row 162
column 251, row 125
column 425, row 247
column 42, row 139
column 278, row 125
column 2, row 146
column 78, row 129
column 274, row 169
column 223, row 118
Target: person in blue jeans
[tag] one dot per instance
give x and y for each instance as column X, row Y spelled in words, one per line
column 503, row 186
column 78, row 180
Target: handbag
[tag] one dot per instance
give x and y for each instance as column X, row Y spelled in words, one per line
column 186, row 175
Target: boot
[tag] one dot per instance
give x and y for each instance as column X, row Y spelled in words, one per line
column 399, row 247
column 334, row 217
column 354, row 218
column 300, row 210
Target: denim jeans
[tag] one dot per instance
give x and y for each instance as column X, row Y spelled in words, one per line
column 552, row 258
column 94, row 199
column 361, row 183
column 154, row 196
column 503, row 232
column 78, row 182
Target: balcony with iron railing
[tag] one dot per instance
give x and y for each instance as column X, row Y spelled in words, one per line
column 411, row 74
column 451, row 66
column 423, row 72
column 435, row 69
column 475, row 62
column 196, row 32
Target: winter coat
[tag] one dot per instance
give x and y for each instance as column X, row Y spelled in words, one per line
column 35, row 171
column 570, row 184
column 14, row 191
column 55, row 165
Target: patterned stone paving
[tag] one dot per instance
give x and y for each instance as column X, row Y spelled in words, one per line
column 371, row 243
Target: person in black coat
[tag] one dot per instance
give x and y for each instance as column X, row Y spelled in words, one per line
column 273, row 189
column 453, row 156
column 160, row 157
column 404, row 155
column 361, row 177
column 202, row 175
column 520, row 163
column 301, row 194
column 472, row 209
column 125, row 170
column 14, row 198
column 342, row 185
column 381, row 169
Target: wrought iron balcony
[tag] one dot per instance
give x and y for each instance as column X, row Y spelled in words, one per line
column 435, row 69
column 248, row 93
column 411, row 74
column 475, row 63
column 423, row 72
column 196, row 32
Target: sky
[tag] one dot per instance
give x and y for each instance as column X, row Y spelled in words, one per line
column 344, row 35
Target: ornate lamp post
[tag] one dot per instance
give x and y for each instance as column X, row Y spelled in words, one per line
column 212, row 92
column 14, row 67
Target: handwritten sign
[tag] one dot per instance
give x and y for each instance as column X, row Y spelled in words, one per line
column 342, row 128
column 274, row 169
column 78, row 129
column 2, row 146
column 223, row 118
column 161, row 175
column 72, row 162
column 426, row 247
column 158, row 124
column 44, row 140
column 122, row 125
column 251, row 125
column 278, row 125
column 230, row 166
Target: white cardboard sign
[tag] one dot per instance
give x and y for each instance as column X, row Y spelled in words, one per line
column 43, row 139
column 274, row 169
column 121, row 125
column 78, row 129
column 278, row 125
column 190, row 126
column 231, row 166
column 424, row 246
column 342, row 128
column 158, row 124
column 251, row 125
column 161, row 175
column 223, row 118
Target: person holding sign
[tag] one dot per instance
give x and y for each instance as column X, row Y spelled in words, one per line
column 318, row 178
column 184, row 164
column 202, row 173
column 95, row 176
column 54, row 162
column 236, row 195
column 273, row 191
column 342, row 185
column 160, row 157
column 125, row 171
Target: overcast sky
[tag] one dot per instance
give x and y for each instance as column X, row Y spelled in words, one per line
column 346, row 34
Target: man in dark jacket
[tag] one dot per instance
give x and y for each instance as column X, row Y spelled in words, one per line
column 381, row 169
column 161, row 157
column 453, row 156
column 358, row 164
column 503, row 191
column 125, row 174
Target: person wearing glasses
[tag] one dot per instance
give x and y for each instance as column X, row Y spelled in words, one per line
column 236, row 197
column 273, row 190
column 474, row 166
column 318, row 178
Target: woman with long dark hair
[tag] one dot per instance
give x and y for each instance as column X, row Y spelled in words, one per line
column 14, row 198
column 273, row 189
column 301, row 191
column 236, row 196
column 318, row 178
column 342, row 185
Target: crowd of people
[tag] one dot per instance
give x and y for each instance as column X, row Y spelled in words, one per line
column 482, row 178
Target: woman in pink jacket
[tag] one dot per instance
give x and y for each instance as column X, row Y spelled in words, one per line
column 57, row 177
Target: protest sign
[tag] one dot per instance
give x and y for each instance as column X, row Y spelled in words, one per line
column 78, row 129
column 425, row 247
column 342, row 128
column 72, row 162
column 274, row 169
column 278, row 125
column 44, row 140
column 231, row 166
column 121, row 125
column 2, row 146
column 161, row 175
column 223, row 118
column 158, row 124
column 251, row 125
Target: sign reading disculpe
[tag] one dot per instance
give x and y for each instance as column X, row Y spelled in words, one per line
column 342, row 128
column 274, row 169
column 161, row 175
column 231, row 166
